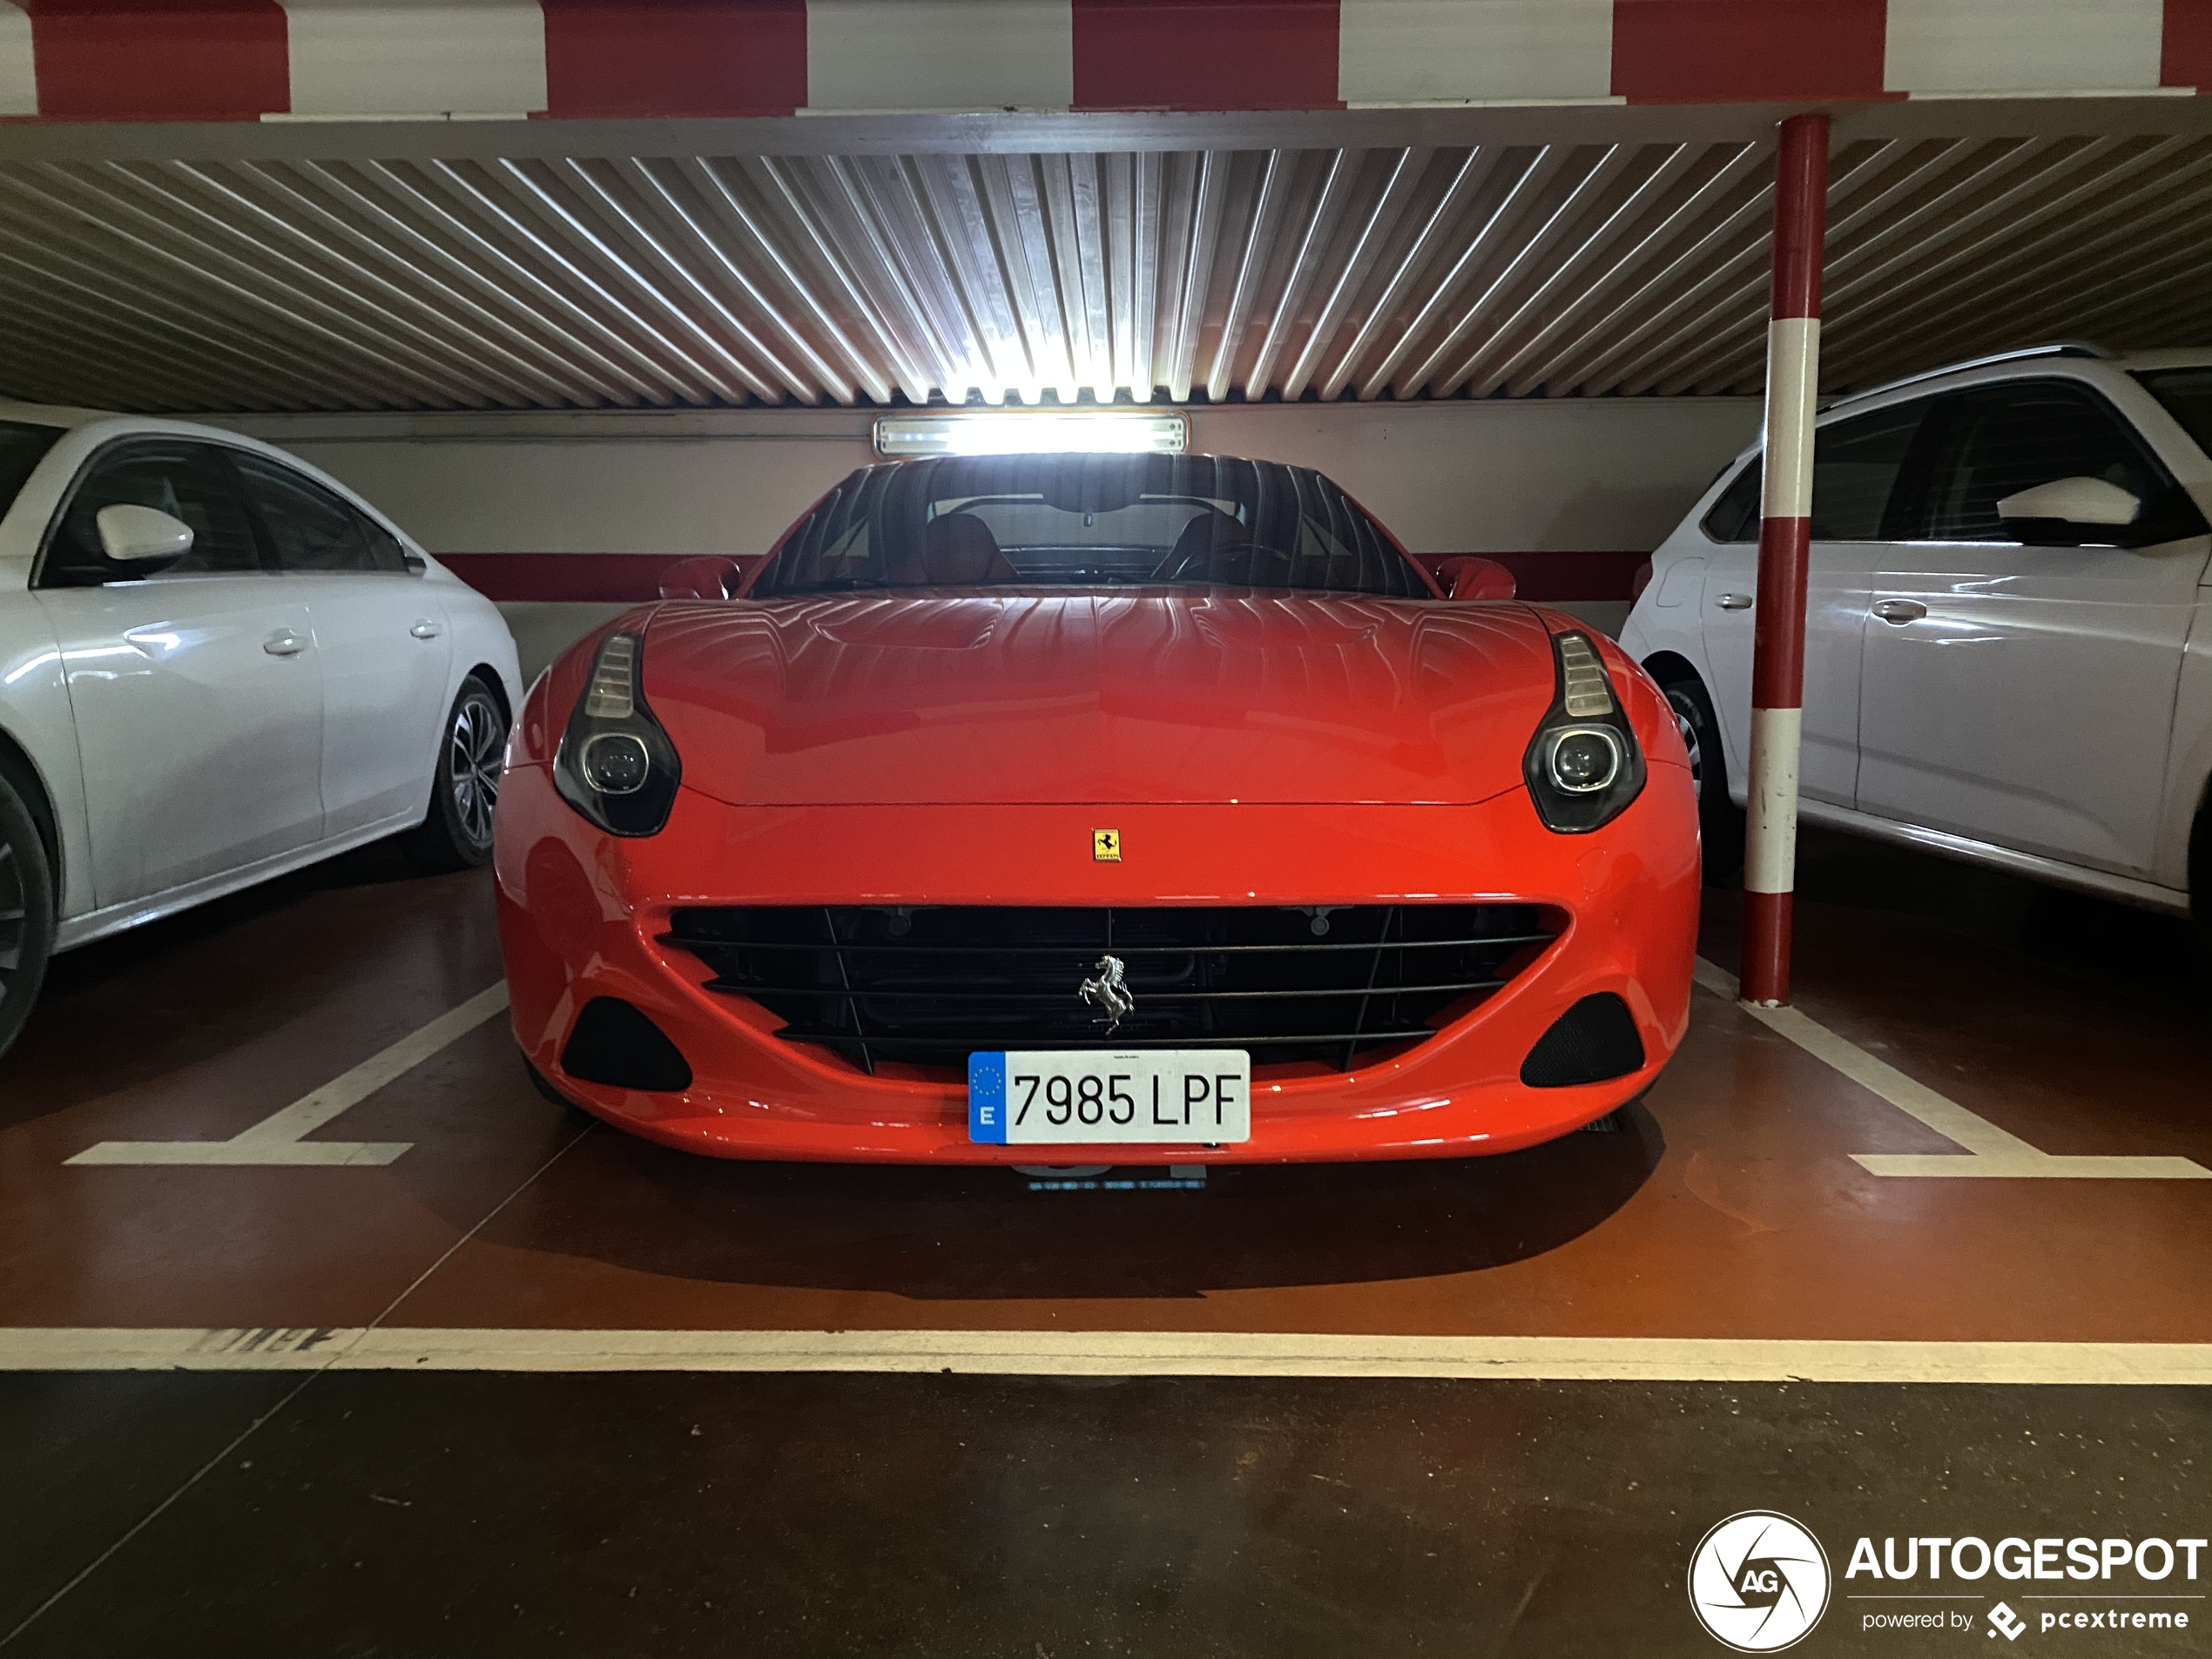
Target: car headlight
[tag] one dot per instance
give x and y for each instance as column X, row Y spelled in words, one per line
column 615, row 765
column 1583, row 767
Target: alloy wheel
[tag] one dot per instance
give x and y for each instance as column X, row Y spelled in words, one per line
column 15, row 918
column 1686, row 722
column 472, row 765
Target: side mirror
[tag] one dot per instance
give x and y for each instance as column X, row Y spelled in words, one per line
column 700, row 578
column 1466, row 576
column 142, row 535
column 2068, row 512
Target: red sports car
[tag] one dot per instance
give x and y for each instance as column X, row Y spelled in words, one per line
column 1138, row 808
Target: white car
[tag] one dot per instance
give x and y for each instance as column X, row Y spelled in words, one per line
column 217, row 664
column 2008, row 630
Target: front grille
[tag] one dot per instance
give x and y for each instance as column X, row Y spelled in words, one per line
column 928, row 985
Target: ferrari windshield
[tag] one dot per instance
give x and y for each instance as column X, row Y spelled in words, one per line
column 1089, row 521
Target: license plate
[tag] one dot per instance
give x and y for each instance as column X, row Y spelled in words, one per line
column 1085, row 1097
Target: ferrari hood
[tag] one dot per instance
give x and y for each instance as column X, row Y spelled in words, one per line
column 1039, row 699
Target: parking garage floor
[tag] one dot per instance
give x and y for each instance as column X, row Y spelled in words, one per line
column 478, row 1376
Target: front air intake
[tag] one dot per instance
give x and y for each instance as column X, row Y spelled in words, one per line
column 615, row 1044
column 929, row 985
column 1592, row 1041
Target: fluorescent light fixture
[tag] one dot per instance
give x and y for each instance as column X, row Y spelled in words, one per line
column 1034, row 432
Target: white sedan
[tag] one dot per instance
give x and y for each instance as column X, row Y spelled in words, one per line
column 2008, row 628
column 217, row 664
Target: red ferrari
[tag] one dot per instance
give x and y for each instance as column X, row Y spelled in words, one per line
column 1134, row 808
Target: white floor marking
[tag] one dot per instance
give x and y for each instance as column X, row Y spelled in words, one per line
column 1112, row 1353
column 308, row 1350
column 1990, row 1151
column 280, row 1139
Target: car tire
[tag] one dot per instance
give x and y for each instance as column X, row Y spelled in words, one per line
column 455, row 834
column 2201, row 885
column 543, row 1084
column 1720, row 820
column 26, row 914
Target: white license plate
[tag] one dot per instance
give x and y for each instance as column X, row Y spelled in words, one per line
column 1086, row 1096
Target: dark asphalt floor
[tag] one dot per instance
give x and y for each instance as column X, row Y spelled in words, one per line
column 480, row 1515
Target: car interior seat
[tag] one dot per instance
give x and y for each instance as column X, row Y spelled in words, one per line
column 1213, row 547
column 958, row 551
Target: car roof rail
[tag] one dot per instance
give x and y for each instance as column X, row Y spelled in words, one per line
column 2050, row 348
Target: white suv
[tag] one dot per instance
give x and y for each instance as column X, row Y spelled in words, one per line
column 217, row 664
column 2008, row 629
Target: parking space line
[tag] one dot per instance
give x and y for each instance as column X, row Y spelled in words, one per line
column 1115, row 1354
column 279, row 1140
column 309, row 1350
column 1990, row 1151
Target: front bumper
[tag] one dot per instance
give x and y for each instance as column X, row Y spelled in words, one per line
column 580, row 913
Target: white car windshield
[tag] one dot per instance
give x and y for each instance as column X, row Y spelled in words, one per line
column 2187, row 393
column 22, row 448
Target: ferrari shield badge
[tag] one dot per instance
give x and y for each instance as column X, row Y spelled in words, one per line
column 1106, row 846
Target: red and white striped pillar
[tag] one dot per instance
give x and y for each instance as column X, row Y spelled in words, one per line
column 1778, row 643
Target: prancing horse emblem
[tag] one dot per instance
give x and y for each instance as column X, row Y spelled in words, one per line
column 1107, row 994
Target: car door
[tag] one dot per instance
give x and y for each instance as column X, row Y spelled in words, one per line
column 381, row 636
column 196, row 692
column 2018, row 695
column 1856, row 465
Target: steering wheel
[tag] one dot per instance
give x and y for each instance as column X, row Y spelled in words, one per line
column 1245, row 565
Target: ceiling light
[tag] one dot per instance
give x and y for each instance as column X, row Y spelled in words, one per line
column 1034, row 432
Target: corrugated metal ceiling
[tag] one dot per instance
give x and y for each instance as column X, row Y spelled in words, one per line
column 654, row 281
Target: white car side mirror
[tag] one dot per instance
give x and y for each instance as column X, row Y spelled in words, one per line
column 2072, row 501
column 132, row 535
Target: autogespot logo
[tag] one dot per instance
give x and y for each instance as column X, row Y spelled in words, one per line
column 1758, row 1581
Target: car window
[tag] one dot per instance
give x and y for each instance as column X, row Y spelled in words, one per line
column 1089, row 520
column 2187, row 393
column 22, row 448
column 1855, row 467
column 385, row 550
column 1999, row 440
column 311, row 528
column 187, row 480
column 1735, row 516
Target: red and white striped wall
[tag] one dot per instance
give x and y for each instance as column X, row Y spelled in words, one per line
column 236, row 60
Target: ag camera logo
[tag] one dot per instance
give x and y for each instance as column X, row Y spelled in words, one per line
column 1758, row 1581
